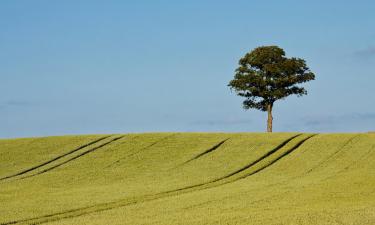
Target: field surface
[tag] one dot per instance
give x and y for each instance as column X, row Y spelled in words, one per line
column 189, row 178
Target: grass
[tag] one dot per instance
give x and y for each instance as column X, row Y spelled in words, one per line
column 189, row 178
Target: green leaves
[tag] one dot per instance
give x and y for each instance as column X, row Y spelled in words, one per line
column 265, row 75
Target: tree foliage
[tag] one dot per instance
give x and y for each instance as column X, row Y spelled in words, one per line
column 265, row 75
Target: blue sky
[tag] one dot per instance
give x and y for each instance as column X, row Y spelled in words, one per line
column 79, row 67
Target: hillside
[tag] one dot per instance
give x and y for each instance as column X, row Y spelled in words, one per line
column 189, row 178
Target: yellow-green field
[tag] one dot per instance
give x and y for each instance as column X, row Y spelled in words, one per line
column 189, row 178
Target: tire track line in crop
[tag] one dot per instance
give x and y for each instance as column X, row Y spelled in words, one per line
column 75, row 157
column 248, row 167
column 125, row 202
column 333, row 154
column 263, row 156
column 54, row 159
column 213, row 148
column 142, row 149
column 282, row 156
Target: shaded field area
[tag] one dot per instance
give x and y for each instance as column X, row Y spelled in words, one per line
column 189, row 178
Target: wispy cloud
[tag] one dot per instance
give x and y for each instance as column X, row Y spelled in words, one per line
column 333, row 121
column 14, row 103
column 221, row 122
column 366, row 53
column 319, row 120
column 17, row 103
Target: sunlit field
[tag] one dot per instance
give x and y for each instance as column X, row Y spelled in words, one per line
column 189, row 178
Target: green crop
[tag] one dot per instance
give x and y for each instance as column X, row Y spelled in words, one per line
column 189, row 178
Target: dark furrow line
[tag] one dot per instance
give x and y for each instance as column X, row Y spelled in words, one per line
column 213, row 148
column 249, row 165
column 75, row 157
column 232, row 174
column 142, row 149
column 54, row 159
column 263, row 157
column 282, row 156
column 121, row 203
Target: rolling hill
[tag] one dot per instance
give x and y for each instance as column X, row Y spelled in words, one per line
column 189, row 178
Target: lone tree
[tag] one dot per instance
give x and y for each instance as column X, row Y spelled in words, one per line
column 265, row 75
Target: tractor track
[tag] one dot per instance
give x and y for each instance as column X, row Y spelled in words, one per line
column 140, row 150
column 213, row 148
column 263, row 157
column 248, row 167
column 74, row 158
column 54, row 159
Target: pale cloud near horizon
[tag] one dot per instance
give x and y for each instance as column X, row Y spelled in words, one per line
column 338, row 122
column 221, row 122
column 15, row 103
column 366, row 53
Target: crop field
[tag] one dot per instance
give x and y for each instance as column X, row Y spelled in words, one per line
column 189, row 178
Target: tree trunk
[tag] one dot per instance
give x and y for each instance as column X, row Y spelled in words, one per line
column 270, row 118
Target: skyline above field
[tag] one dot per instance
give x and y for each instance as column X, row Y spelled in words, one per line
column 74, row 67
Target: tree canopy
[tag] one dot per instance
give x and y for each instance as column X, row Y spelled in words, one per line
column 266, row 75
